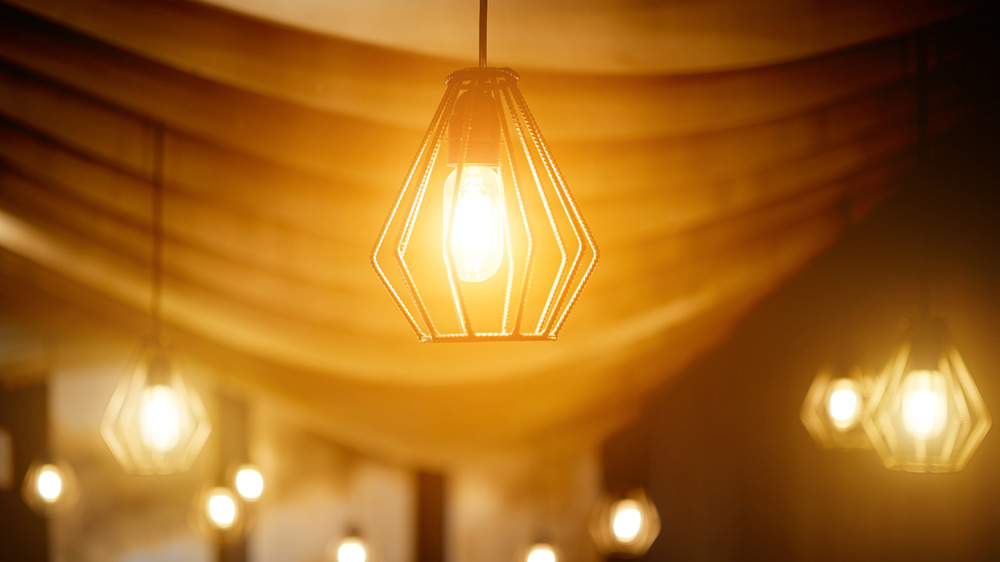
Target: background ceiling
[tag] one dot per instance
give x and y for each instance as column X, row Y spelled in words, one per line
column 714, row 149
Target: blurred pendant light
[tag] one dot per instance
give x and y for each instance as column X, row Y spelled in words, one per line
column 540, row 552
column 222, row 508
column 926, row 413
column 833, row 408
column 625, row 527
column 155, row 422
column 248, row 482
column 351, row 548
column 49, row 487
column 485, row 241
column 219, row 515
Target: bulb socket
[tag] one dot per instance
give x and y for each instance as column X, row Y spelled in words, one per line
column 474, row 129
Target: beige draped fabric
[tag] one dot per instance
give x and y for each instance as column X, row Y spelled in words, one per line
column 713, row 147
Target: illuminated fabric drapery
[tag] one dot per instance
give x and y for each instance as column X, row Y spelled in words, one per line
column 706, row 189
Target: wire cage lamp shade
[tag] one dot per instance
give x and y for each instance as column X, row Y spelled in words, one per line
column 926, row 414
column 155, row 422
column 833, row 409
column 485, row 242
column 624, row 526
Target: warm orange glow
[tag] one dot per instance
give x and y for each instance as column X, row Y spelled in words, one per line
column 249, row 482
column 352, row 550
column 221, row 508
column 49, row 483
column 541, row 553
column 477, row 231
column 160, row 418
column 627, row 520
column 844, row 405
column 925, row 404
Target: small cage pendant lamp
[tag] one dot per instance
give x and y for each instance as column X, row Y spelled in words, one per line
column 485, row 241
column 926, row 414
column 155, row 422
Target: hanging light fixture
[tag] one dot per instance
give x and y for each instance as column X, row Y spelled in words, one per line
column 540, row 552
column 248, row 482
column 485, row 241
column 834, row 406
column 351, row 548
column 926, row 414
column 625, row 526
column 155, row 422
column 49, row 487
column 218, row 514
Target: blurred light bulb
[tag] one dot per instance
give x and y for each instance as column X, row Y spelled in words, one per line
column 843, row 405
column 925, row 404
column 249, row 483
column 160, row 418
column 627, row 520
column 221, row 508
column 49, row 483
column 477, row 233
column 541, row 553
column 352, row 550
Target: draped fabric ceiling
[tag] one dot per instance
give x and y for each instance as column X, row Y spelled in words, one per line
column 714, row 147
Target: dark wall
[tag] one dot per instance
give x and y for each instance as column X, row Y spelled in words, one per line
column 722, row 451
column 23, row 412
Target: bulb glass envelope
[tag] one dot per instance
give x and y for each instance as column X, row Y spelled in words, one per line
column 834, row 407
column 156, row 422
column 926, row 413
column 49, row 487
column 540, row 255
column 624, row 526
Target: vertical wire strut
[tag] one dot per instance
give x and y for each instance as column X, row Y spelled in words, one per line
column 156, row 281
column 482, row 33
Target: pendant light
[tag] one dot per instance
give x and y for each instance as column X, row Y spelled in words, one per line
column 49, row 487
column 485, row 241
column 351, row 548
column 833, row 409
column 540, row 552
column 248, row 482
column 219, row 514
column 625, row 526
column 155, row 422
column 926, row 414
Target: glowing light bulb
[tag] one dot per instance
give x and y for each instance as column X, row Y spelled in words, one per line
column 477, row 232
column 49, row 483
column 925, row 404
column 843, row 406
column 352, row 550
column 160, row 418
column 541, row 553
column 221, row 508
column 249, row 483
column 627, row 520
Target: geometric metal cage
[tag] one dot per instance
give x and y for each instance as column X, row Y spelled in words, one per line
column 925, row 413
column 484, row 242
column 155, row 422
column 624, row 527
column 834, row 407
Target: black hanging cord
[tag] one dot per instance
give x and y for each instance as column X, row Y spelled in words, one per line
column 156, row 280
column 923, row 95
column 482, row 33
